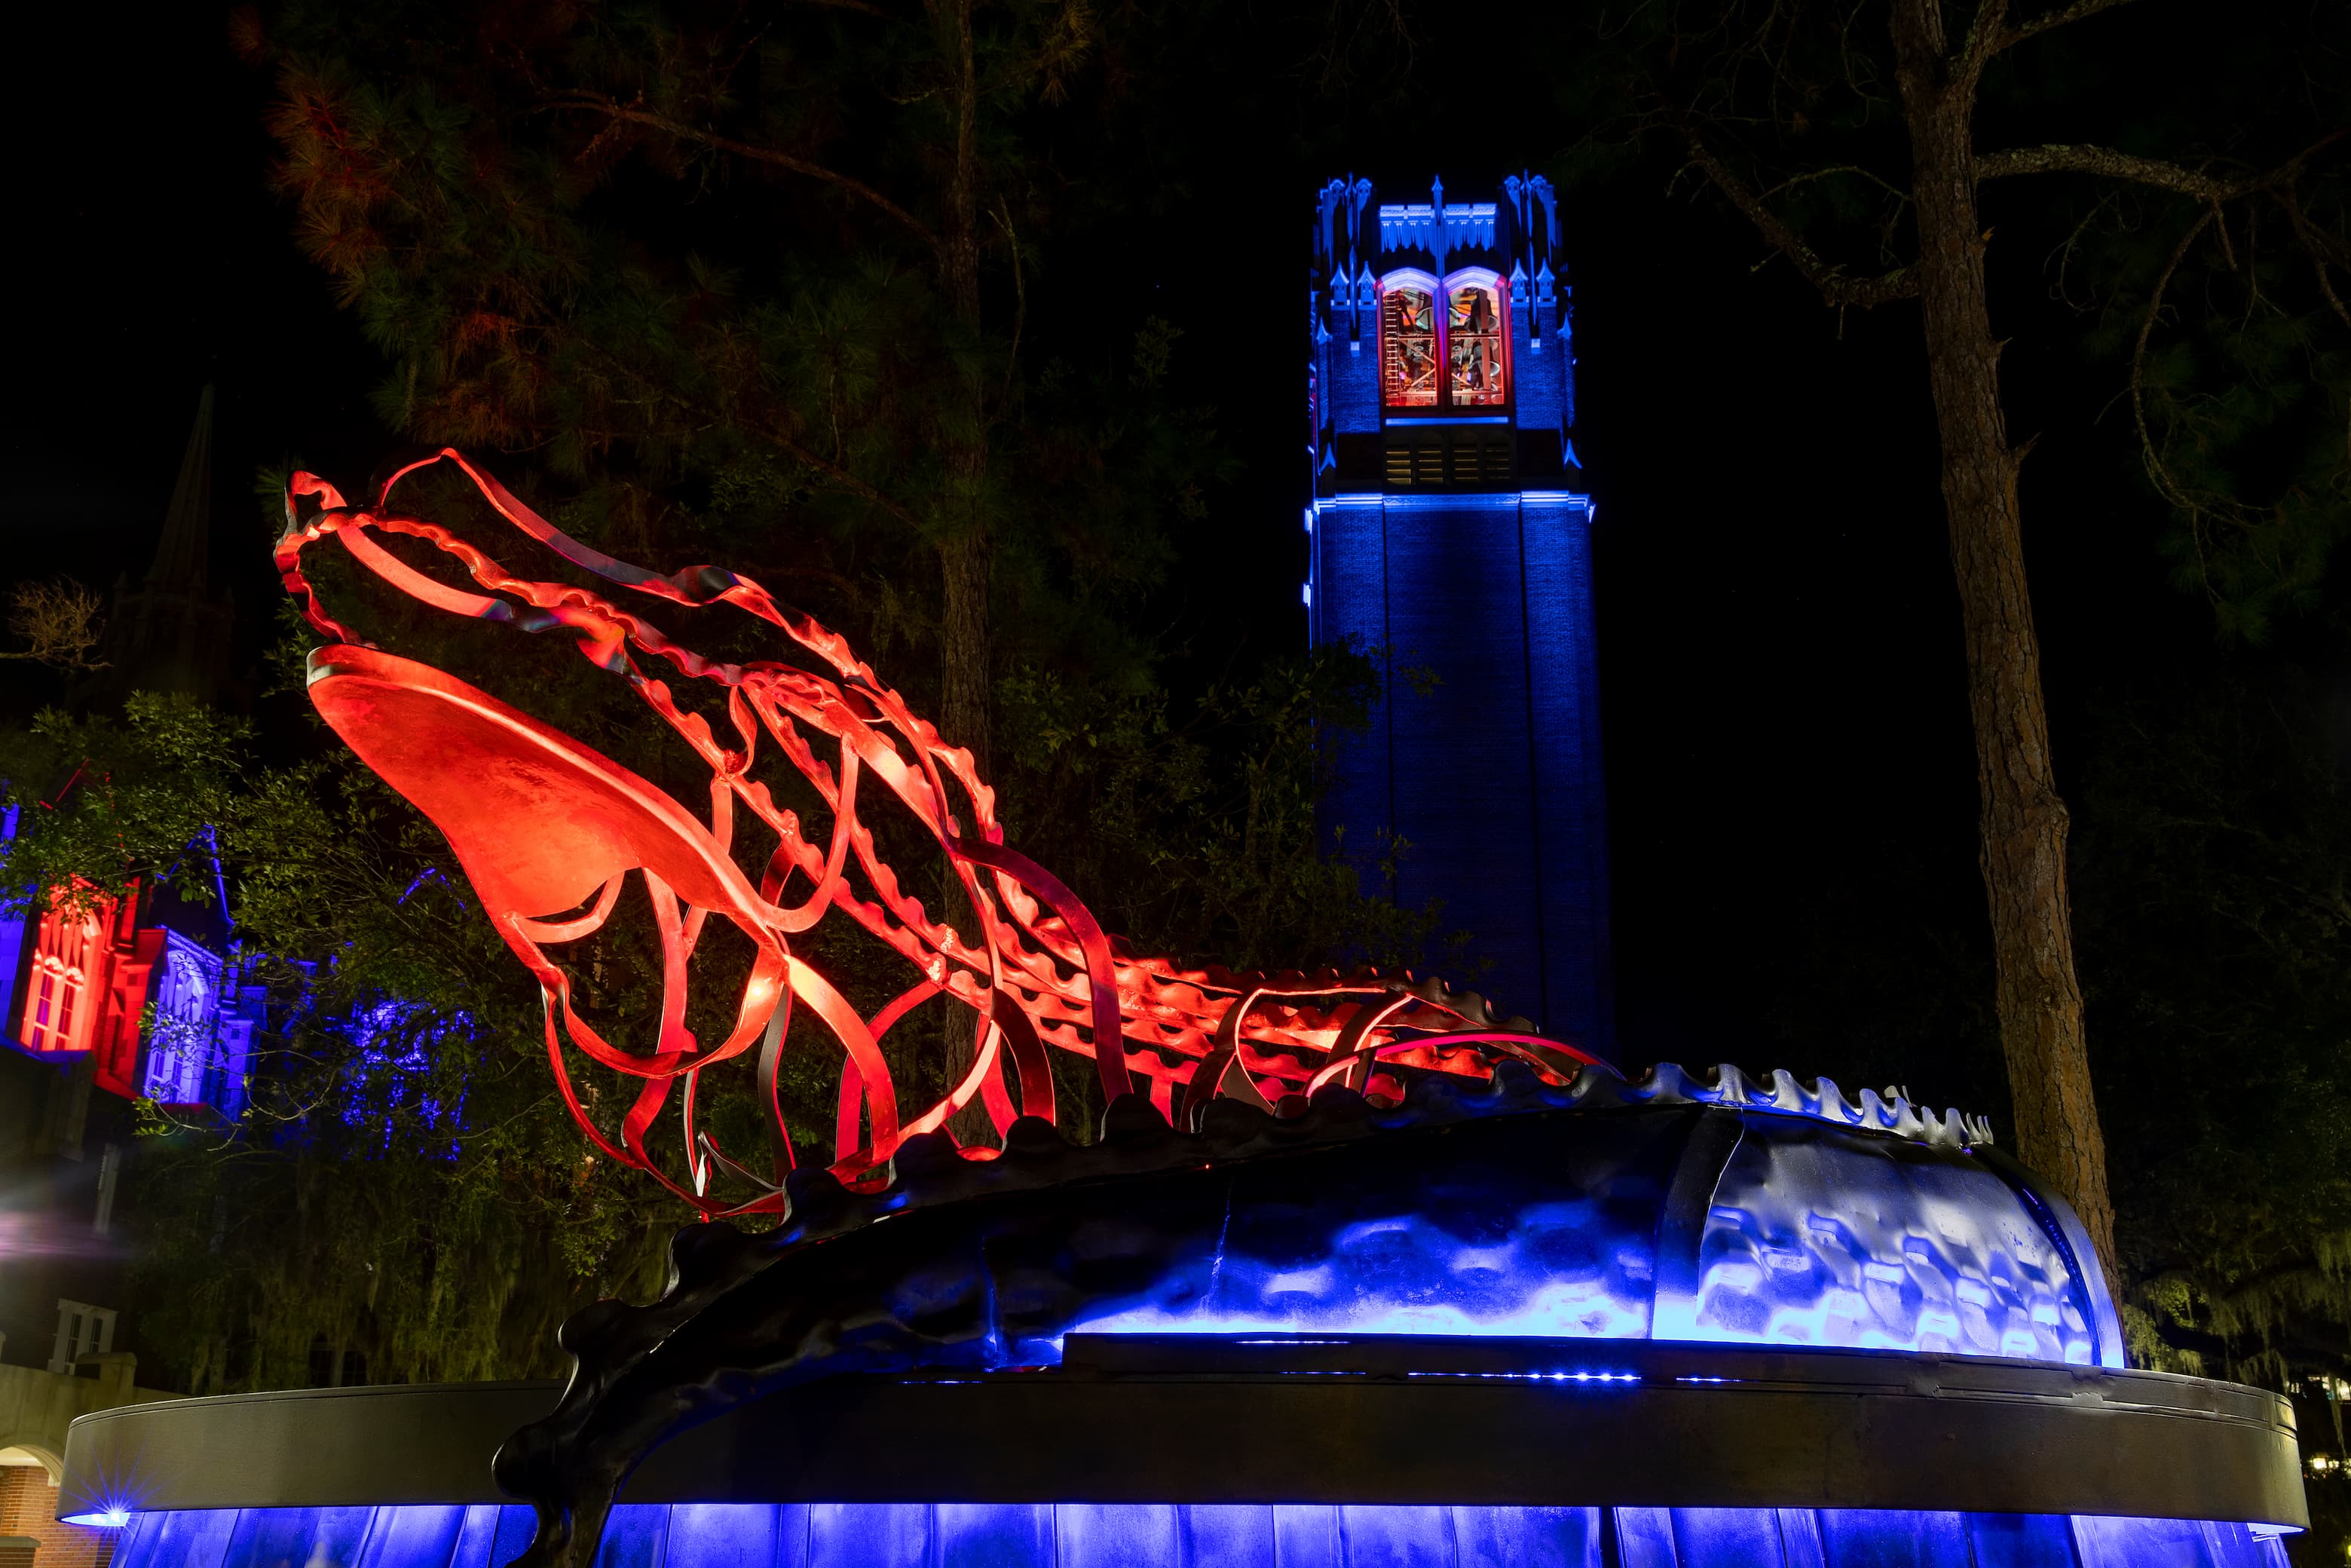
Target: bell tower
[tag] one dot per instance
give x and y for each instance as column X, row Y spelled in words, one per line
column 170, row 631
column 1451, row 537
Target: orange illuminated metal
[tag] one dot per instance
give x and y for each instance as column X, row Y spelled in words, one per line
column 548, row 830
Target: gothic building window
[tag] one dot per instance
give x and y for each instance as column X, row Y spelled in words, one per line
column 55, row 1016
column 55, row 992
column 1408, row 345
column 179, row 1044
column 1473, row 340
column 88, row 984
column 82, row 1330
column 1469, row 335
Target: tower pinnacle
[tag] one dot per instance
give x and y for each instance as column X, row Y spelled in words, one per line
column 169, row 633
column 182, row 554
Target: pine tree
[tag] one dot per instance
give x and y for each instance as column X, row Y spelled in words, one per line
column 1864, row 147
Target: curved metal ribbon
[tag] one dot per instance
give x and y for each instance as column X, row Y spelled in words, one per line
column 1041, row 973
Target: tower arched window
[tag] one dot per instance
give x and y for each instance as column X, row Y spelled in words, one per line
column 1408, row 341
column 1476, row 362
column 1444, row 343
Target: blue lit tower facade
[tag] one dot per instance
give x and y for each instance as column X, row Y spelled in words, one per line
column 1451, row 536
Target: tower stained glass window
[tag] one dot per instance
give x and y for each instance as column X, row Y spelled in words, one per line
column 1409, row 347
column 1473, row 335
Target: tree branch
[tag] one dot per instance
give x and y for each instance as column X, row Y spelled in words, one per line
column 774, row 430
column 60, row 620
column 1985, row 39
column 2011, row 37
column 2062, row 158
column 840, row 477
column 1836, row 287
column 1901, row 196
column 637, row 114
column 2158, row 473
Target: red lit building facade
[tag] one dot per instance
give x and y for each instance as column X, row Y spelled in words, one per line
column 85, row 986
column 106, row 1001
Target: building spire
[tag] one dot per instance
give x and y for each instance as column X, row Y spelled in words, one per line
column 182, row 555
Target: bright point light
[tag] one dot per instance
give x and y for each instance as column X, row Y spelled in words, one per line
column 111, row 1519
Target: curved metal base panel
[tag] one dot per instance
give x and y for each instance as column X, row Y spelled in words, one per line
column 1293, row 1419
column 1185, row 1452
column 1195, row 1535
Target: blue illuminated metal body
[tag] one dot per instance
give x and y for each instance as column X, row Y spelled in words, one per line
column 1651, row 1307
column 1813, row 1231
column 1457, row 544
column 1195, row 1535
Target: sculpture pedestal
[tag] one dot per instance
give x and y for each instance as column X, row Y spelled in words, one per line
column 1323, row 1449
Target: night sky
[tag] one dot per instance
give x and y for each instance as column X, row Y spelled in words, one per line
column 1791, row 776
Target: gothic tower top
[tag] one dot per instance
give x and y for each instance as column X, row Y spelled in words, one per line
column 1458, row 310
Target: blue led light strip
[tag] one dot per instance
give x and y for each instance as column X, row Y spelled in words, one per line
column 1148, row 1535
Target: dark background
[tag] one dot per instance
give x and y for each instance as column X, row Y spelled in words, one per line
column 1792, row 774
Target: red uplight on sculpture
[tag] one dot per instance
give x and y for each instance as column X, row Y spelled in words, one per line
column 547, row 831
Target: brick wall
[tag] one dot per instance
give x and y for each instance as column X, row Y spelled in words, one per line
column 28, row 1506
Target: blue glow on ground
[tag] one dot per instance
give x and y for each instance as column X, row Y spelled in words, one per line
column 1194, row 1535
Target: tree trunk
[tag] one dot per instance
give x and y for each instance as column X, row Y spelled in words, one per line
column 963, row 694
column 964, row 547
column 2039, row 1000
column 965, row 553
